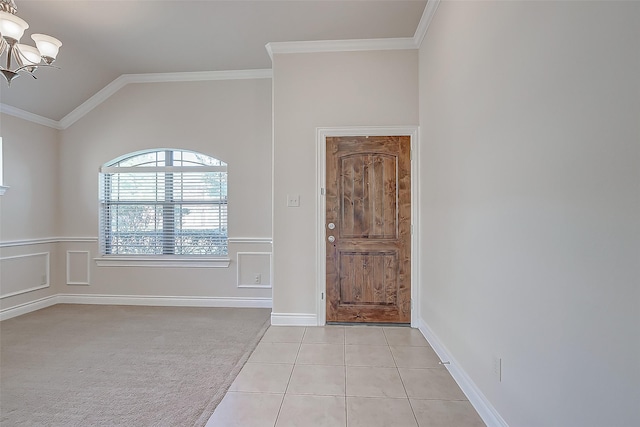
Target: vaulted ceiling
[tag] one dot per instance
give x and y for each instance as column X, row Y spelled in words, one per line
column 103, row 39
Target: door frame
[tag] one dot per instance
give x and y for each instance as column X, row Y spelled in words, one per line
column 321, row 169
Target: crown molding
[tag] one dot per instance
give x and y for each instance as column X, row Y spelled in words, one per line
column 91, row 103
column 317, row 46
column 125, row 79
column 425, row 21
column 25, row 115
column 198, row 76
column 401, row 43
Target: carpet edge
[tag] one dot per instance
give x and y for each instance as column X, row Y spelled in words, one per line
column 217, row 398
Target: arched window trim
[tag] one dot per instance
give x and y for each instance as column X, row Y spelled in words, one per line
column 164, row 188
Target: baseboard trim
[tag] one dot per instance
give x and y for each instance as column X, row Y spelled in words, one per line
column 294, row 319
column 28, row 307
column 165, row 301
column 487, row 412
column 160, row 301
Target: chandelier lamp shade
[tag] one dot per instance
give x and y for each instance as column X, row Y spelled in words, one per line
column 22, row 58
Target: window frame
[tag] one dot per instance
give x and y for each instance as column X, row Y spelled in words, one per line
column 169, row 230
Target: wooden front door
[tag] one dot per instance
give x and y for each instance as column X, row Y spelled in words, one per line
column 368, row 229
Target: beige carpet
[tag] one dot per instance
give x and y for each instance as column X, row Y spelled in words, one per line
column 88, row 365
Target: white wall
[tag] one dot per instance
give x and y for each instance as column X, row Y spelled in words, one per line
column 227, row 119
column 530, row 163
column 28, row 209
column 376, row 88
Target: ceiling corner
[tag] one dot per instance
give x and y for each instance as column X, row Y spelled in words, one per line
column 425, row 21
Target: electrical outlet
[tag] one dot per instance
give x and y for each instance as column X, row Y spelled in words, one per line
column 497, row 368
column 257, row 278
column 293, row 200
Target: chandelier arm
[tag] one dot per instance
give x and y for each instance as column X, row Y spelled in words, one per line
column 34, row 67
column 18, row 56
column 9, row 54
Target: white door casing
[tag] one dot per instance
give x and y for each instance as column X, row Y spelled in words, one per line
column 321, row 135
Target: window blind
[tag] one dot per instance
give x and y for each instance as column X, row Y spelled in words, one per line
column 163, row 210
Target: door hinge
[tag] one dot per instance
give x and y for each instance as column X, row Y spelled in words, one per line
column 322, row 296
column 322, row 191
column 411, row 229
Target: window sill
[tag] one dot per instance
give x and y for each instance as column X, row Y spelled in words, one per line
column 164, row 261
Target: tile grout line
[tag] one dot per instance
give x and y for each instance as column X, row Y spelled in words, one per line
column 402, row 381
column 415, row 417
column 275, row 423
column 344, row 355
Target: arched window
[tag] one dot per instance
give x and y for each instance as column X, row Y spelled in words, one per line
column 163, row 202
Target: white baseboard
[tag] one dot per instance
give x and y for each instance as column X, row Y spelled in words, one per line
column 487, row 412
column 294, row 319
column 163, row 301
column 28, row 307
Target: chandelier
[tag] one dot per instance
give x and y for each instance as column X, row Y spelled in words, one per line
column 26, row 58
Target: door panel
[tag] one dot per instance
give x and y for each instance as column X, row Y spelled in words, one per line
column 368, row 278
column 368, row 211
column 369, row 203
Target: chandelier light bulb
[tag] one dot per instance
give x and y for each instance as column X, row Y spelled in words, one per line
column 11, row 26
column 48, row 46
column 29, row 55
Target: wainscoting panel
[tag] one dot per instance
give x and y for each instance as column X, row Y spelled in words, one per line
column 24, row 273
column 254, row 269
column 78, row 267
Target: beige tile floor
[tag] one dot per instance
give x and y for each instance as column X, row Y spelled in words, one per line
column 339, row 376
